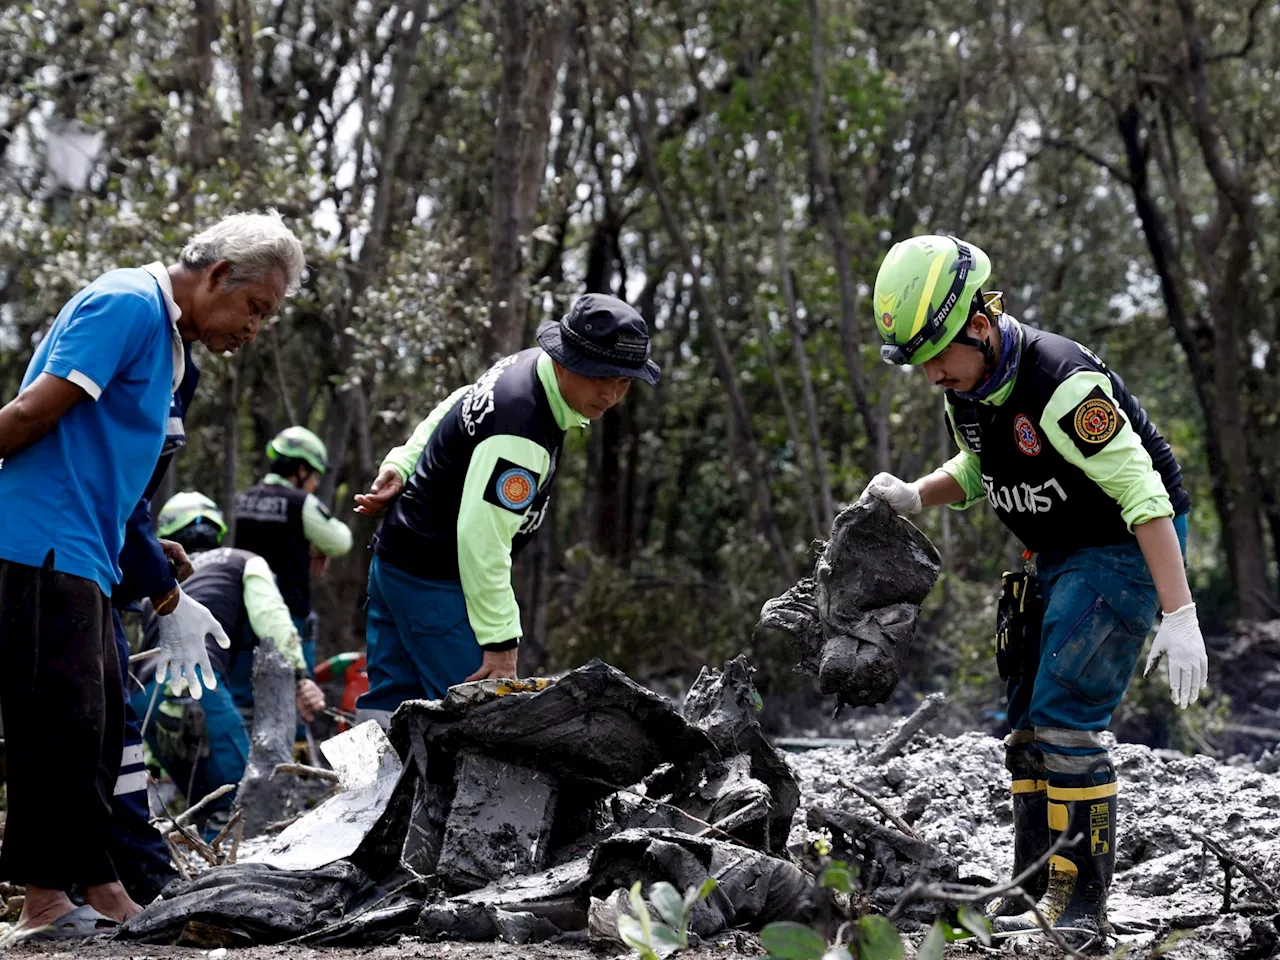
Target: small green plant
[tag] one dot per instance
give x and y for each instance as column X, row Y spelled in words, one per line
column 862, row 935
column 654, row 939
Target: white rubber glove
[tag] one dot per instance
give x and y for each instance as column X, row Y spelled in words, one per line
column 1179, row 638
column 182, row 638
column 902, row 496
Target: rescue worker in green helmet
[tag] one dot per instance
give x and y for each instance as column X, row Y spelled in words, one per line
column 203, row 742
column 283, row 521
column 1055, row 442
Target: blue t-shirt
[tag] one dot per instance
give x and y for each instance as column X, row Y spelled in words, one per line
column 73, row 489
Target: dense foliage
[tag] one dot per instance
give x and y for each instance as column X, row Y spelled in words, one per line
column 461, row 170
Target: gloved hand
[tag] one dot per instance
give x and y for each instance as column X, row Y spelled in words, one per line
column 1179, row 637
column 182, row 635
column 902, row 496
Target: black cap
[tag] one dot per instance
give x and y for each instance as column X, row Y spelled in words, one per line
column 601, row 336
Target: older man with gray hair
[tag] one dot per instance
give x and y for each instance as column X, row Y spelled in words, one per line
column 78, row 446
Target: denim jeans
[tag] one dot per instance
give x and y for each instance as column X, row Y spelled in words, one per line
column 418, row 639
column 1099, row 606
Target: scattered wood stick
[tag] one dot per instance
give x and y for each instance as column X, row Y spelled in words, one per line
column 145, row 655
column 179, row 861
column 1227, row 859
column 957, row 894
column 758, row 807
column 901, row 735
column 303, row 770
column 196, row 844
column 225, row 832
column 235, row 844
column 879, row 804
column 190, row 813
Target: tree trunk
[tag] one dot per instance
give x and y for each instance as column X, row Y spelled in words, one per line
column 850, row 338
column 722, row 357
column 230, row 447
column 793, row 427
column 533, row 40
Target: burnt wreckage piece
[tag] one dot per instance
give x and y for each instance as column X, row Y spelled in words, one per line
column 852, row 622
column 522, row 807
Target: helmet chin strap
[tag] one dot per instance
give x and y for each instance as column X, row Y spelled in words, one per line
column 988, row 355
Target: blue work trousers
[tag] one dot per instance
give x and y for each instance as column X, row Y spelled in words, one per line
column 1099, row 606
column 202, row 744
column 418, row 640
column 137, row 849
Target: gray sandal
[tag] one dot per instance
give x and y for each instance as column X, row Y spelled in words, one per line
column 77, row 924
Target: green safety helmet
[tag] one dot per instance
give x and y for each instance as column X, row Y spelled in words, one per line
column 184, row 509
column 299, row 443
column 923, row 295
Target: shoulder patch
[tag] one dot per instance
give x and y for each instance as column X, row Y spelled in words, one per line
column 1093, row 422
column 511, row 486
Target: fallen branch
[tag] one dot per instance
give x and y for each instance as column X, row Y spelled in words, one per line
column 888, row 814
column 861, row 828
column 302, row 770
column 179, row 861
column 1227, row 860
column 901, row 735
column 759, row 807
column 196, row 844
column 225, row 832
column 955, row 894
column 235, row 844
column 190, row 813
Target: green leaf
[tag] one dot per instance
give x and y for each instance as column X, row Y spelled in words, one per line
column 641, row 910
column 933, row 944
column 975, row 923
column 880, row 940
column 667, row 902
column 631, row 934
column 786, row 940
column 836, row 876
column 664, row 940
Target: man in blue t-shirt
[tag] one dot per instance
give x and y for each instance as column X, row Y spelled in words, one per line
column 77, row 447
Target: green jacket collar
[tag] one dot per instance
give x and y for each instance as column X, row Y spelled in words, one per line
column 565, row 415
column 276, row 480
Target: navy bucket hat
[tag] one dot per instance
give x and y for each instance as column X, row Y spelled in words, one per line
column 601, row 336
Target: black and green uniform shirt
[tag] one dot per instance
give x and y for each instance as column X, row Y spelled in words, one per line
column 478, row 474
column 1064, row 452
column 240, row 590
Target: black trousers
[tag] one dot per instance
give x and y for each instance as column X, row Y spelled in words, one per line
column 63, row 707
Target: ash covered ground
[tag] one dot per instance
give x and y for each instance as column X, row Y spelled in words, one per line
column 1167, row 895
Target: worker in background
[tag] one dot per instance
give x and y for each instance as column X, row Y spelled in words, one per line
column 1065, row 454
column 204, row 743
column 78, row 444
column 282, row 521
column 476, row 478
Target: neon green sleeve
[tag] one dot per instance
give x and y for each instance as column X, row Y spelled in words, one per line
column 502, row 479
column 1084, row 424
column 326, row 533
column 964, row 468
column 268, row 613
column 405, row 457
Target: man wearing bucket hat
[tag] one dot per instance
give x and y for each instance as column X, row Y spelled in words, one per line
column 469, row 489
column 1071, row 463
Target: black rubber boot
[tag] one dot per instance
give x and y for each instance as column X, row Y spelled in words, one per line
column 1030, row 825
column 1079, row 876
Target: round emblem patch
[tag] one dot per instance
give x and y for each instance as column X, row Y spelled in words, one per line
column 1025, row 434
column 1095, row 421
column 516, row 488
column 886, row 320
